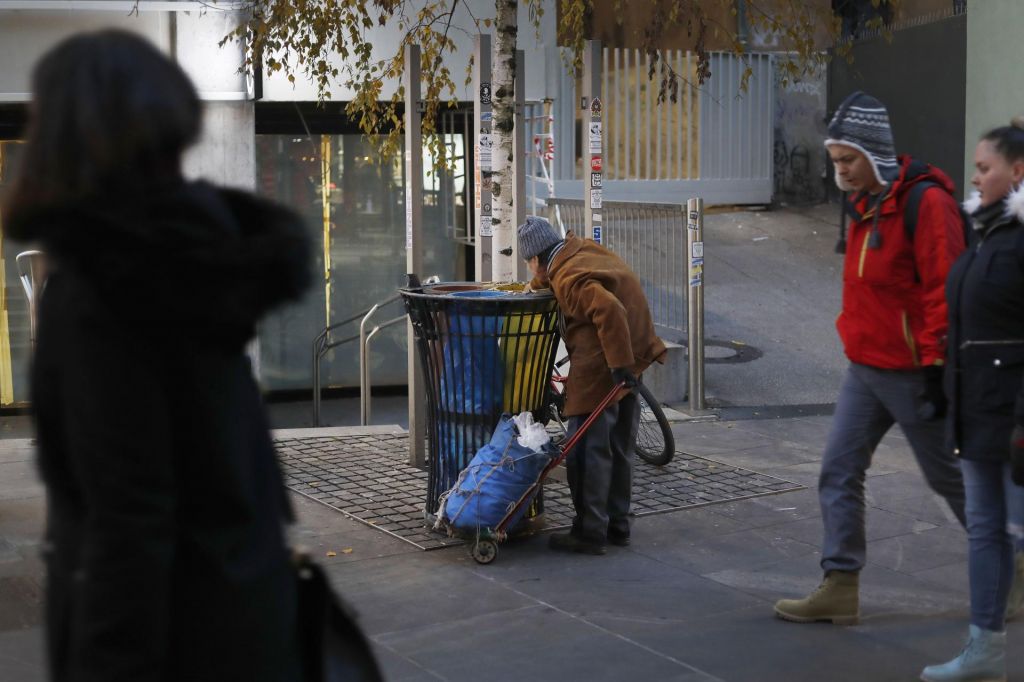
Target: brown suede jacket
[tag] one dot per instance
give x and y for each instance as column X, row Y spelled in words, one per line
column 607, row 321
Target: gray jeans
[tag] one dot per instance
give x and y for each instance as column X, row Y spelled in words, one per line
column 870, row 402
column 600, row 471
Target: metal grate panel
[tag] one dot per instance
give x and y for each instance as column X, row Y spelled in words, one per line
column 367, row 478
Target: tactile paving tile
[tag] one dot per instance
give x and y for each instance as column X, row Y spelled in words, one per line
column 367, row 477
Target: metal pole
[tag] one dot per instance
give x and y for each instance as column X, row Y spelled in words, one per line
column 32, row 272
column 364, row 369
column 519, row 162
column 484, row 154
column 593, row 140
column 368, row 412
column 695, row 300
column 414, row 244
column 316, row 382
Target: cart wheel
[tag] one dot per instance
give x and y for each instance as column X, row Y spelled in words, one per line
column 484, row 551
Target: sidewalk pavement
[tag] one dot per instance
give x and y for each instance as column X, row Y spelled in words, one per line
column 690, row 600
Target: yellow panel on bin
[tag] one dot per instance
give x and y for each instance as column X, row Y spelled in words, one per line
column 522, row 359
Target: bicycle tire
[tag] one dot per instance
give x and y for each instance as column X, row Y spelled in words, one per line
column 655, row 443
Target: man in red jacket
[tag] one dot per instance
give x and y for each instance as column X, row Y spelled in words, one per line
column 893, row 328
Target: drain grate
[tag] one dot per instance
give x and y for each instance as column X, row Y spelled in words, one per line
column 367, row 477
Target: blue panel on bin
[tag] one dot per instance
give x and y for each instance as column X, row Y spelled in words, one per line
column 473, row 379
column 472, row 383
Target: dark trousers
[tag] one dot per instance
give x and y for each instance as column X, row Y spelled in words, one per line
column 600, row 471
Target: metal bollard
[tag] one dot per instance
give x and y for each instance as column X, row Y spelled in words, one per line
column 32, row 272
column 695, row 301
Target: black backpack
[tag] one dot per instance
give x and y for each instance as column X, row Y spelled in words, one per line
column 911, row 208
column 913, row 205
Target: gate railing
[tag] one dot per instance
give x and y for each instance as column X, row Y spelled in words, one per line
column 651, row 238
column 714, row 141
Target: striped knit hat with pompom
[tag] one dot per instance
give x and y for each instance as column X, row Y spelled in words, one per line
column 862, row 122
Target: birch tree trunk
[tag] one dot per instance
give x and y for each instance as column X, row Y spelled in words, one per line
column 504, row 183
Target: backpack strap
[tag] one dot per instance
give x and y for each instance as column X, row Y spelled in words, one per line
column 913, row 206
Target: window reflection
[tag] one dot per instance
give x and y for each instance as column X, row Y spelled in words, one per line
column 14, row 321
column 354, row 207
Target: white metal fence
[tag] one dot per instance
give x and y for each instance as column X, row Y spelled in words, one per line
column 651, row 238
column 714, row 141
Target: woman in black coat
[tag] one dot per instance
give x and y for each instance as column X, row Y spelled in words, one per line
column 985, row 383
column 165, row 549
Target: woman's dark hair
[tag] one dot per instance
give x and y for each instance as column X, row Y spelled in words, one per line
column 1008, row 140
column 110, row 114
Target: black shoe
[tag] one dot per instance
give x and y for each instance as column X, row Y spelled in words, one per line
column 618, row 539
column 567, row 542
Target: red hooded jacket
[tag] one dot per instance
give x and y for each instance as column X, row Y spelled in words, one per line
column 894, row 304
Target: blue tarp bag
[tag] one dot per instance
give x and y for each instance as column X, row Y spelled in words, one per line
column 495, row 479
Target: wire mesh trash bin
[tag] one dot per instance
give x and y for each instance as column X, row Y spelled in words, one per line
column 484, row 351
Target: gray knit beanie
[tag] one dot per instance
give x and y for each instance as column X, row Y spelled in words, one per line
column 536, row 235
column 862, row 122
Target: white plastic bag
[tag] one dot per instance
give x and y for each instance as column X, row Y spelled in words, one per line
column 531, row 434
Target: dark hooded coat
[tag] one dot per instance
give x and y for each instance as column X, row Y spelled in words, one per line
column 165, row 550
column 985, row 380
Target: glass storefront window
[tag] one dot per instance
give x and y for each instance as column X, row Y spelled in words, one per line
column 14, row 322
column 354, row 207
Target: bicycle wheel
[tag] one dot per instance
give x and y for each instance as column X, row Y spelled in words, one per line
column 655, row 443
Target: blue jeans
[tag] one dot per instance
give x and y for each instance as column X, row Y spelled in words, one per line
column 995, row 525
column 871, row 401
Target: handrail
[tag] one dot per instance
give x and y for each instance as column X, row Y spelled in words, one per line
column 364, row 369
column 32, row 273
column 322, row 344
column 365, row 386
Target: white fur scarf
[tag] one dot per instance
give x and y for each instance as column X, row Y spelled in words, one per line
column 1014, row 203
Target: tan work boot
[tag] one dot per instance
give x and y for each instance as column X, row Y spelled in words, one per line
column 1015, row 600
column 836, row 600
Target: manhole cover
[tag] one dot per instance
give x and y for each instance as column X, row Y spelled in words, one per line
column 721, row 352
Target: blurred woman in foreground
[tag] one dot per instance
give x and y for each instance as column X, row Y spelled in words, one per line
column 165, row 552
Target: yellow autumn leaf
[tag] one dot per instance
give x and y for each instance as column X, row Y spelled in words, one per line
column 330, row 554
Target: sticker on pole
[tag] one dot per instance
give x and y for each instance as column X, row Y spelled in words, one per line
column 697, row 276
column 595, row 108
column 595, row 179
column 697, row 250
column 486, row 151
column 408, row 216
column 597, row 234
column 485, row 92
column 486, row 226
column 595, row 137
column 595, row 164
column 595, row 198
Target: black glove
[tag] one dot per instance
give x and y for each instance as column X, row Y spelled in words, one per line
column 622, row 375
column 1017, row 454
column 933, row 397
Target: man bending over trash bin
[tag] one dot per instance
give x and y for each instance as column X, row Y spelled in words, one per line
column 608, row 331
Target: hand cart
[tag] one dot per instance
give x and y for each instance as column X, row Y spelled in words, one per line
column 485, row 541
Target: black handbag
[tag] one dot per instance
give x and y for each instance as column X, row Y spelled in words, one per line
column 332, row 646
